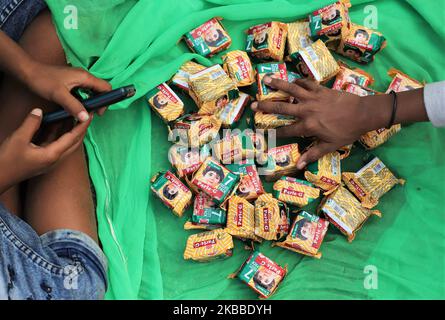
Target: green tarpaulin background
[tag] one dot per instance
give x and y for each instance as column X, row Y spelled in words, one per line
column 136, row 42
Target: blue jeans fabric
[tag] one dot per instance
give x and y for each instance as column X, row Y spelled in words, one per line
column 16, row 15
column 61, row 264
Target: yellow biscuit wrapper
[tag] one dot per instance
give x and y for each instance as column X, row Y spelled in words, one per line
column 295, row 192
column 231, row 113
column 239, row 68
column 345, row 212
column 181, row 78
column 401, row 82
column 298, row 38
column 345, row 151
column 325, row 173
column 361, row 44
column 207, row 246
column 274, row 70
column 164, row 101
column 271, row 120
column 355, row 76
column 271, row 222
column 317, row 62
column 306, row 235
column 172, row 192
column 187, row 160
column 212, row 86
column 194, row 130
column 267, row 40
column 371, row 182
column 281, row 161
column 241, row 219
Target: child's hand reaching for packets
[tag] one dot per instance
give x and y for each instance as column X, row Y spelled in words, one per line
column 20, row 159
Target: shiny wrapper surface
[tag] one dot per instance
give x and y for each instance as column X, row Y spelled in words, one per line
column 371, row 182
column 164, row 101
column 271, row 120
column 351, row 75
column 206, row 214
column 250, row 186
column 194, row 130
column 298, row 37
column 295, row 191
column 231, row 113
column 239, row 68
column 267, row 41
column 182, row 77
column 187, row 160
column 282, row 161
column 359, row 90
column 241, row 219
column 325, row 173
column 361, row 44
column 345, row 212
column 317, row 62
column 270, row 221
column 401, row 82
column 306, row 235
column 172, row 192
column 209, row 38
column 274, row 70
column 261, row 274
column 330, row 23
column 215, row 180
column 209, row 245
column 212, row 86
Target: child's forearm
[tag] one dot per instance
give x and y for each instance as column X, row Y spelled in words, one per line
column 13, row 59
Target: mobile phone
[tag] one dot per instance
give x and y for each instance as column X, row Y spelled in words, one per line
column 93, row 103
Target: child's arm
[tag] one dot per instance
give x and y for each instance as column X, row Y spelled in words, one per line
column 49, row 82
column 20, row 159
column 339, row 118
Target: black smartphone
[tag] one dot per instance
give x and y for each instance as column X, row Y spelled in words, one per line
column 93, row 103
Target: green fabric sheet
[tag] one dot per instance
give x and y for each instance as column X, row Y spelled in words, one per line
column 137, row 42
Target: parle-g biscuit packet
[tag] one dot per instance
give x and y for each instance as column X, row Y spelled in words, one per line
column 187, row 160
column 241, row 219
column 250, row 186
column 209, row 245
column 206, row 214
column 345, row 212
column 181, row 79
column 172, row 192
column 281, row 161
column 230, row 113
column 194, row 129
column 316, row 62
column 330, row 23
column 325, row 173
column 261, row 274
column 209, row 38
column 361, row 44
column 371, row 182
column 273, row 70
column 237, row 65
column 306, row 235
column 212, row 88
column 298, row 37
column 271, row 120
column 267, row 40
column 215, row 180
column 295, row 192
column 164, row 101
column 271, row 218
column 354, row 76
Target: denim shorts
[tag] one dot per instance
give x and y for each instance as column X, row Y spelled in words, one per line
column 16, row 15
column 59, row 265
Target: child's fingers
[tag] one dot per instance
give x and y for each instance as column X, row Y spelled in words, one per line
column 54, row 151
column 65, row 99
column 30, row 125
column 278, row 107
column 293, row 89
column 91, row 82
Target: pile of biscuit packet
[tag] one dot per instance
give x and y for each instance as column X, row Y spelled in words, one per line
column 225, row 186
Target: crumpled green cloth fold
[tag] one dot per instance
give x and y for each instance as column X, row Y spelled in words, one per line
column 137, row 42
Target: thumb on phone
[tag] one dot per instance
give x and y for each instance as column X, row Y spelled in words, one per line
column 30, row 125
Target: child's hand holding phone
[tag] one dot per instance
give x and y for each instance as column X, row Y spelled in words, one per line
column 20, row 159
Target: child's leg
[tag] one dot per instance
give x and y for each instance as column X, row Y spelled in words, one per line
column 60, row 199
